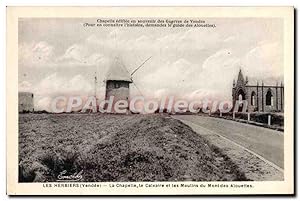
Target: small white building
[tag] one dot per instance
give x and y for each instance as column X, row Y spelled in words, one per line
column 26, row 102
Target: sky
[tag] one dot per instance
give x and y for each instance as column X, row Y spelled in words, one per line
column 61, row 56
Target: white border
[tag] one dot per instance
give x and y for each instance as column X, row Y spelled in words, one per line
column 4, row 3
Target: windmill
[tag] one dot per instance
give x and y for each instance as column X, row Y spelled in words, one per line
column 118, row 80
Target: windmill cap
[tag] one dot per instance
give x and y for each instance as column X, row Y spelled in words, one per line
column 117, row 71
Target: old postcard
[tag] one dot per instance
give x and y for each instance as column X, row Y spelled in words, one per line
column 150, row 100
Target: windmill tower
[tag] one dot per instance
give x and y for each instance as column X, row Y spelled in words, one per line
column 118, row 80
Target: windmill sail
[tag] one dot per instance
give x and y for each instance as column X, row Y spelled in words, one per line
column 135, row 72
column 140, row 66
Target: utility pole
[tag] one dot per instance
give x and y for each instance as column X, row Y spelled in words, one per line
column 95, row 92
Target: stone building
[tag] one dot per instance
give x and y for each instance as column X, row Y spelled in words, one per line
column 26, row 102
column 260, row 97
column 117, row 81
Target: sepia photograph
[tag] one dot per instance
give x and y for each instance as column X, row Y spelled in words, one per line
column 134, row 102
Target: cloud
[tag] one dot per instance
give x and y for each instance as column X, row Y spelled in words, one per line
column 35, row 54
column 81, row 55
column 185, row 62
column 181, row 41
column 25, row 86
column 183, row 78
column 56, row 85
column 229, row 39
column 76, row 52
column 264, row 60
column 59, row 85
column 41, row 54
column 218, row 72
column 43, row 103
column 223, row 59
column 203, row 94
column 169, row 75
column 98, row 50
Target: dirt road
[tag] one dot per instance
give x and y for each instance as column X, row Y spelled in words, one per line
column 258, row 151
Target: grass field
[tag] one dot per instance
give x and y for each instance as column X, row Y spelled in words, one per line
column 117, row 148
